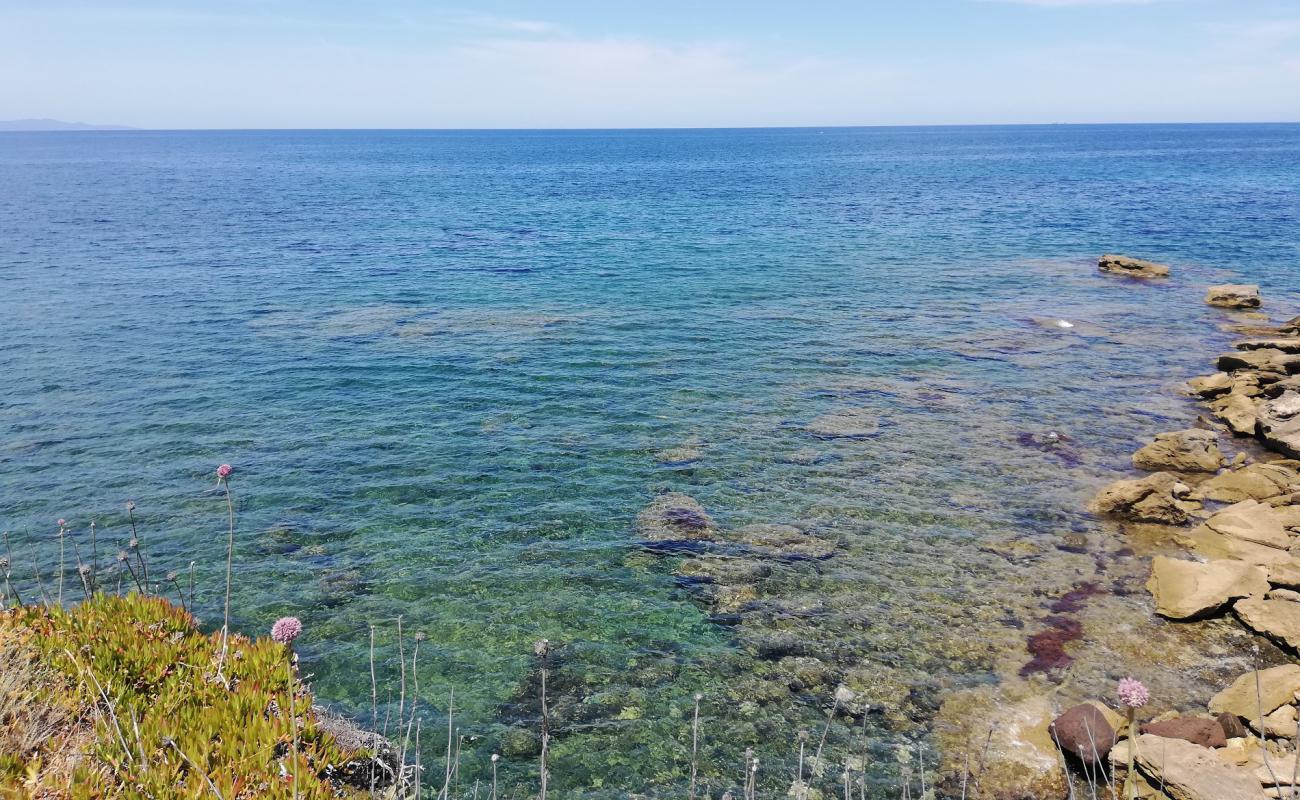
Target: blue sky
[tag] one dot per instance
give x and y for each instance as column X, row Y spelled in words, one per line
column 669, row 63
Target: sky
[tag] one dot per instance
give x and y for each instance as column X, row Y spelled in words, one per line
column 656, row 63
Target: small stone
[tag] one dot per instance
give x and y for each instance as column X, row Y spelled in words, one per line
column 1232, row 727
column 1277, row 686
column 1214, row 385
column 1192, row 450
column 1233, row 295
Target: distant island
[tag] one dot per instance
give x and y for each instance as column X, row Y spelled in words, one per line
column 56, row 125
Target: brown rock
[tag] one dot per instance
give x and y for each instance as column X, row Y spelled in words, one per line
column 1192, row 450
column 1287, row 345
column 1211, row 544
column 1208, row 386
column 1132, row 267
column 1277, row 686
column 1160, row 497
column 1253, row 521
column 1285, row 573
column 1190, row 589
column 1231, row 726
column 1197, row 730
column 1265, row 359
column 1277, row 619
column 1084, row 732
column 1233, row 295
column 1280, row 723
column 1237, row 410
column 1186, row 771
column 1253, row 481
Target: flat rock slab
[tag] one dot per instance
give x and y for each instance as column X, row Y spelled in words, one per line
column 1132, row 267
column 1233, row 295
column 1156, row 498
column 1253, row 521
column 1210, row 544
column 1188, row 771
column 1197, row 730
column 1190, row 589
column 1277, row 619
column 1279, row 423
column 675, row 517
column 1277, row 686
column 1251, row 482
column 1191, row 450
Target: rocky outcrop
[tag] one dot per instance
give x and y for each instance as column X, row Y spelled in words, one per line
column 1279, row 423
column 675, row 517
column 1191, row 450
column 1252, row 521
column 1251, row 482
column 1084, row 732
column 1190, row 589
column 1158, row 498
column 1277, row 619
column 1237, row 410
column 1276, row 686
column 1186, row 771
column 1233, row 295
column 1132, row 267
column 1265, row 359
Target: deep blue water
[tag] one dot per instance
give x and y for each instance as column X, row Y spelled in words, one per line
column 443, row 365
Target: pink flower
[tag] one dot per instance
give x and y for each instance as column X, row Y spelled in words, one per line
column 1132, row 693
column 62, row 522
column 224, row 471
column 286, row 629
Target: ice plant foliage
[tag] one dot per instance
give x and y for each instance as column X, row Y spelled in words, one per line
column 1132, row 693
column 286, row 629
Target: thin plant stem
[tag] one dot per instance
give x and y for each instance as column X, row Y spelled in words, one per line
column 230, row 560
column 293, row 720
column 139, row 550
column 62, row 538
column 374, row 703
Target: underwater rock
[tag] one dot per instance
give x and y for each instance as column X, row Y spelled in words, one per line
column 1189, row 589
column 1132, row 267
column 1279, row 423
column 783, row 541
column 1253, row 521
column 681, row 456
column 1277, row 685
column 1004, row 742
column 1233, row 295
column 675, row 517
column 1085, row 733
column 1198, row 730
column 804, row 673
column 1192, row 450
column 1160, row 497
column 723, row 569
column 852, row 423
column 1277, row 619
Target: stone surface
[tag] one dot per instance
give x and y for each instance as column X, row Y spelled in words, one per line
column 1277, row 686
column 1192, row 450
column 1233, row 295
column 1210, row 544
column 1190, row 589
column 1279, row 423
column 1286, row 345
column 1084, row 732
column 1281, row 723
column 1160, row 497
column 1277, row 619
column 784, row 541
column 1251, row 482
column 852, row 423
column 1132, row 267
column 1231, row 726
column 1198, row 730
column 675, row 517
column 1253, row 521
column 1020, row 760
column 1285, row 573
column 1265, row 359
column 1237, row 410
column 1187, row 771
column 1208, row 386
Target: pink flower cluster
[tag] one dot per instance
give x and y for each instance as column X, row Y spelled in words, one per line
column 1132, row 693
column 286, row 629
column 224, row 471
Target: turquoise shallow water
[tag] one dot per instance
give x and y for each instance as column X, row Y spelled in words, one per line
column 445, row 365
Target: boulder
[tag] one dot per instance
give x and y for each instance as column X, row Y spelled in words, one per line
column 1279, row 423
column 675, row 517
column 1208, row 386
column 1253, row 481
column 1198, row 730
column 1277, row 687
column 1190, row 589
column 1132, row 267
column 852, row 423
column 1186, row 771
column 1233, row 295
column 1160, row 497
column 1231, row 726
column 1192, row 450
column 783, row 541
column 1253, row 521
column 1265, row 359
column 1237, row 410
column 1085, row 733
column 1285, row 573
column 1277, row 619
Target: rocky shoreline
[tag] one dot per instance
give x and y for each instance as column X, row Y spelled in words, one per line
column 1229, row 530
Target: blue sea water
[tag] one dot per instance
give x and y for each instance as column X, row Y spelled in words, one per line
column 447, row 367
